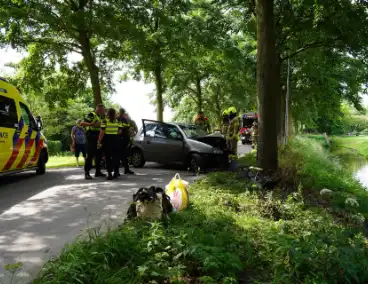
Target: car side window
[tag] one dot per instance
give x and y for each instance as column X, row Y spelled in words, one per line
column 27, row 116
column 150, row 129
column 8, row 113
column 174, row 133
column 160, row 131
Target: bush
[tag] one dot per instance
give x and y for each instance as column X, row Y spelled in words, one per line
column 55, row 147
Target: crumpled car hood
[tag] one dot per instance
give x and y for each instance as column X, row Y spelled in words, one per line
column 216, row 140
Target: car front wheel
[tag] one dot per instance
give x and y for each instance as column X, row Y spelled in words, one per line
column 41, row 165
column 195, row 163
column 137, row 158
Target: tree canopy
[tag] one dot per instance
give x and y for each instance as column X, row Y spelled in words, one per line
column 201, row 55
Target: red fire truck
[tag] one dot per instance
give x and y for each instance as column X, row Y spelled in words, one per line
column 246, row 124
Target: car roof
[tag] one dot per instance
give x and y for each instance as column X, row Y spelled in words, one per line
column 10, row 91
column 186, row 124
column 170, row 123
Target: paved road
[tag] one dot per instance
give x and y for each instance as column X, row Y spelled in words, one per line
column 40, row 214
column 243, row 149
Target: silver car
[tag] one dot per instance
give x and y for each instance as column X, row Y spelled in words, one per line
column 169, row 143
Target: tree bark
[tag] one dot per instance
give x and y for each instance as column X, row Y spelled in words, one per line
column 267, row 86
column 199, row 94
column 93, row 70
column 218, row 107
column 159, row 92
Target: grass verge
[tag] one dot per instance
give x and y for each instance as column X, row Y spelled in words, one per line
column 62, row 161
column 234, row 233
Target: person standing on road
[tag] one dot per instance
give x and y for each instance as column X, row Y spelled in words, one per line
column 79, row 141
column 109, row 140
column 125, row 140
column 233, row 130
column 93, row 124
column 202, row 121
column 133, row 130
column 225, row 122
column 254, row 134
column 225, row 126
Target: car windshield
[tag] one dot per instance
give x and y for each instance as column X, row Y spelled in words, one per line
column 193, row 131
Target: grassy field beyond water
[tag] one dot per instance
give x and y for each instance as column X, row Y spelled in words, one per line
column 312, row 231
column 359, row 144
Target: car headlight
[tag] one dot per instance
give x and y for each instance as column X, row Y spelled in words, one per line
column 217, row 151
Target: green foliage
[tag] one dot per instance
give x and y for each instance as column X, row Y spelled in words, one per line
column 55, row 147
column 53, row 30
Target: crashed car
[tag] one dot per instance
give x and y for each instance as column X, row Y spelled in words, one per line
column 171, row 143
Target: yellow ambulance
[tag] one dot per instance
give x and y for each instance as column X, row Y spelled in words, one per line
column 22, row 145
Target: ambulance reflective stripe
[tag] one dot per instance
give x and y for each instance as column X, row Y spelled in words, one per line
column 29, row 142
column 17, row 143
column 39, row 146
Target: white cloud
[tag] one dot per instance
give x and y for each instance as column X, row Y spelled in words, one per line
column 132, row 95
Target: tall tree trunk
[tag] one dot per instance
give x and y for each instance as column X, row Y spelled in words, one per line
column 199, row 94
column 91, row 66
column 159, row 92
column 218, row 107
column 267, row 85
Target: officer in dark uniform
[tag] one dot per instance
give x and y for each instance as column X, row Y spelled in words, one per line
column 125, row 140
column 93, row 122
column 109, row 140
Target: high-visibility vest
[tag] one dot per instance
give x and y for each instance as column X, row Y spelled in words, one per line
column 111, row 128
column 233, row 129
column 224, row 128
column 96, row 118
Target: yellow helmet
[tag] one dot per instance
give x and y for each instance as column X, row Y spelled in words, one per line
column 231, row 110
column 225, row 112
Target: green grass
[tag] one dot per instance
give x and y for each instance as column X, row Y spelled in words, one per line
column 62, row 161
column 232, row 233
column 355, row 143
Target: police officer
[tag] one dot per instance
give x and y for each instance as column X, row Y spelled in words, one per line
column 233, row 130
column 109, row 140
column 202, row 121
column 93, row 123
column 125, row 140
column 225, row 122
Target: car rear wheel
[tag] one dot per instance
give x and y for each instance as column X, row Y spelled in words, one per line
column 41, row 165
column 137, row 158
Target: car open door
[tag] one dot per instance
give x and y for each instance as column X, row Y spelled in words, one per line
column 162, row 142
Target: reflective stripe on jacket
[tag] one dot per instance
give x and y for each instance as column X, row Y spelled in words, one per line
column 96, row 118
column 224, row 129
column 111, row 128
